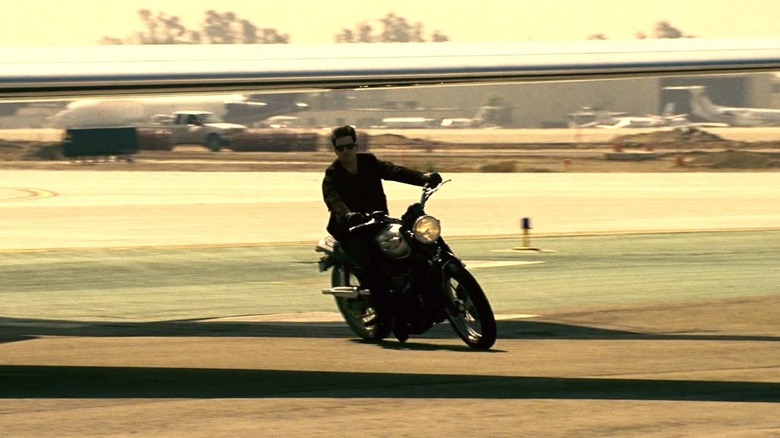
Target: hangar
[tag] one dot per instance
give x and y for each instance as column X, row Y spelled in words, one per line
column 539, row 104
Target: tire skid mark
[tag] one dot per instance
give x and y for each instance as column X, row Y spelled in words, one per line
column 23, row 194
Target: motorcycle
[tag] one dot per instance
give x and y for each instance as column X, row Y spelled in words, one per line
column 428, row 283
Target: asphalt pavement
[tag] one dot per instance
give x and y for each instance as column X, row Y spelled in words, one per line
column 186, row 305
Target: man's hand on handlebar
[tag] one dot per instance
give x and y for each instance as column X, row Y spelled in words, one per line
column 356, row 218
column 433, row 179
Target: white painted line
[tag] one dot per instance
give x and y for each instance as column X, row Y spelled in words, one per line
column 520, row 250
column 38, row 324
column 510, row 316
column 283, row 317
column 479, row 264
column 315, row 317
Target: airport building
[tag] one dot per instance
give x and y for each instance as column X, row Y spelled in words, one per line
column 533, row 105
column 527, row 105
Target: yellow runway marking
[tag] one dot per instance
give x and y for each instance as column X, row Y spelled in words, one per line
column 20, row 194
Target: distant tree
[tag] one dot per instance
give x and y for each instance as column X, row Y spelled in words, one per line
column 395, row 29
column 217, row 28
column 162, row 29
column 662, row 29
column 346, row 36
column 665, row 30
column 364, row 33
column 109, row 41
column 227, row 28
column 439, row 37
column 597, row 36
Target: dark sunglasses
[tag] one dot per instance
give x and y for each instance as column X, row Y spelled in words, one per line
column 348, row 147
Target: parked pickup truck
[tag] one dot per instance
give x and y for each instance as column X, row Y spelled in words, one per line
column 200, row 127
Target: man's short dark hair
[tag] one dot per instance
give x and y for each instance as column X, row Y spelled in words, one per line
column 343, row 131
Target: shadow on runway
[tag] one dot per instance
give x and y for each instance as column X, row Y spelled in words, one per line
column 17, row 329
column 30, row 381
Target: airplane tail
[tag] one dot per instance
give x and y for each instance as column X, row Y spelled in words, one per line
column 486, row 115
column 701, row 105
column 668, row 110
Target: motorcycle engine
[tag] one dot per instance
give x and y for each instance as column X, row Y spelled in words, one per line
column 392, row 242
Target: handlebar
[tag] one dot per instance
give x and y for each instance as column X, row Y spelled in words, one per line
column 368, row 223
column 380, row 217
column 375, row 218
column 427, row 192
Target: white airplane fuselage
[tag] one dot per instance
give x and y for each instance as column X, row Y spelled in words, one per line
column 91, row 113
column 703, row 107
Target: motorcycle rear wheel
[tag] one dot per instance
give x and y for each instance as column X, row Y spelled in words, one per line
column 359, row 313
column 469, row 311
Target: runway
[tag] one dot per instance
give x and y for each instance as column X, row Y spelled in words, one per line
column 50, row 209
column 176, row 304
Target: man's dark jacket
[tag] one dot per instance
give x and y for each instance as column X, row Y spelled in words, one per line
column 345, row 192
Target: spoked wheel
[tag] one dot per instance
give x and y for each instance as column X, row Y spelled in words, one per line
column 469, row 311
column 359, row 313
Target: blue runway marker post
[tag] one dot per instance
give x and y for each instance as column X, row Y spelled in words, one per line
column 525, row 224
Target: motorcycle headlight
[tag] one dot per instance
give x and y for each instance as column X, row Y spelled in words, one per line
column 427, row 229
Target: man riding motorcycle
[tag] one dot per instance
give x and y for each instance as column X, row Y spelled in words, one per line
column 352, row 189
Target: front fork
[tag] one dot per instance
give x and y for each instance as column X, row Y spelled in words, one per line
column 443, row 265
column 450, row 266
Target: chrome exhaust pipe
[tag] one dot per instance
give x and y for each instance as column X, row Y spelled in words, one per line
column 346, row 291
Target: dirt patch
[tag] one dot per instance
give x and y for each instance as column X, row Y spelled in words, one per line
column 30, row 151
column 732, row 159
column 674, row 151
column 676, row 137
column 399, row 141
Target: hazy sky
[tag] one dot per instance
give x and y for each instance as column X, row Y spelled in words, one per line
column 84, row 22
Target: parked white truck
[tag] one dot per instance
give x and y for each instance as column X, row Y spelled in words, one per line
column 200, row 127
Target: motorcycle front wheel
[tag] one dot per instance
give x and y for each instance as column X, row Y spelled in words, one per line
column 360, row 313
column 468, row 309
